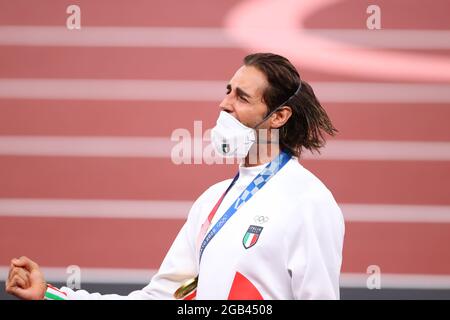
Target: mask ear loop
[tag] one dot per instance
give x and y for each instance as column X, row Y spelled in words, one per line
column 296, row 93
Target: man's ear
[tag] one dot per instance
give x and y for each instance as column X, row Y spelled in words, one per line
column 280, row 117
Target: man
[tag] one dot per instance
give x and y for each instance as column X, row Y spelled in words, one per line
column 274, row 231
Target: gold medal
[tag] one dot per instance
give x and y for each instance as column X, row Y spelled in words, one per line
column 186, row 288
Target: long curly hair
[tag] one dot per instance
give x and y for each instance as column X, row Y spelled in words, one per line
column 309, row 121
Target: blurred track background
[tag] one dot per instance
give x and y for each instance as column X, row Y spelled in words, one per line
column 86, row 117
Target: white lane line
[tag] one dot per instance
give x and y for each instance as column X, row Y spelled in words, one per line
column 159, row 209
column 188, row 37
column 93, row 275
column 130, row 90
column 162, row 147
column 143, row 276
column 395, row 213
column 148, row 147
column 386, row 39
column 201, row 90
column 120, row 209
column 116, row 37
column 397, row 281
column 382, row 92
column 384, row 150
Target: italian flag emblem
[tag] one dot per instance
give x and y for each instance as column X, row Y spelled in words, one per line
column 251, row 236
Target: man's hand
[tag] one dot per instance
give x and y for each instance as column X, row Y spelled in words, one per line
column 25, row 280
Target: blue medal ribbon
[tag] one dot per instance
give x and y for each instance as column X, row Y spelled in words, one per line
column 258, row 182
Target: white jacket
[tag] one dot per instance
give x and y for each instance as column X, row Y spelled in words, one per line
column 297, row 254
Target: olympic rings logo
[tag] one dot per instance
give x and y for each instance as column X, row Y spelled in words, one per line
column 261, row 219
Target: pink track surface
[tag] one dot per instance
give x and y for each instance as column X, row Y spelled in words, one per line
column 397, row 247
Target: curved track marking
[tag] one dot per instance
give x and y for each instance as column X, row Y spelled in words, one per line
column 268, row 26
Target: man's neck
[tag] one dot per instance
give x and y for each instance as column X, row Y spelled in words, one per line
column 260, row 154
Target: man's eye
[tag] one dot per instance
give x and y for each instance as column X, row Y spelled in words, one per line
column 243, row 99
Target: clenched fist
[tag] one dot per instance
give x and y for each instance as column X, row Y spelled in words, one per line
column 25, row 280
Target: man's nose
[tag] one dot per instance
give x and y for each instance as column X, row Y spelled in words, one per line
column 226, row 105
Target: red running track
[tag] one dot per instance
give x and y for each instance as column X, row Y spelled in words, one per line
column 401, row 248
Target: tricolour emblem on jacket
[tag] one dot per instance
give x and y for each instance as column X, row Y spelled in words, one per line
column 251, row 236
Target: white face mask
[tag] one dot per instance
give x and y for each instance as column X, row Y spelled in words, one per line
column 231, row 138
